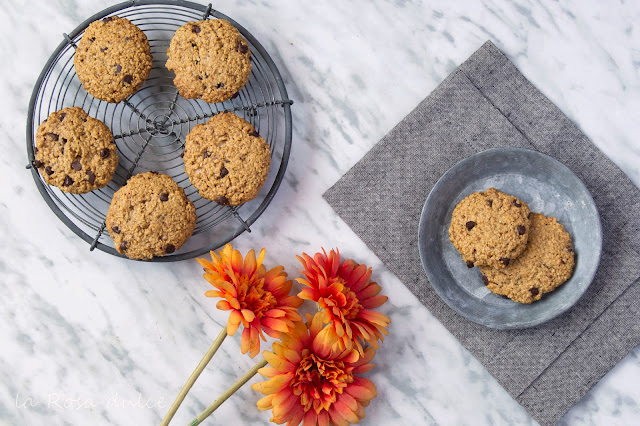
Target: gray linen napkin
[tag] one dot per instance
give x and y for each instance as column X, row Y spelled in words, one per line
column 486, row 102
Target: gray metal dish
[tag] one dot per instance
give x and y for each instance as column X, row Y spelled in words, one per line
column 548, row 187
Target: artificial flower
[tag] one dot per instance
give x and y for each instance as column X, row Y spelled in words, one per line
column 258, row 299
column 311, row 381
column 347, row 297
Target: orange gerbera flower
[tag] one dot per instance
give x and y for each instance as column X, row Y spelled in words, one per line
column 258, row 299
column 311, row 382
column 346, row 296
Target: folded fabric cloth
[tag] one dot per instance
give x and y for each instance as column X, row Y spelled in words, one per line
column 485, row 103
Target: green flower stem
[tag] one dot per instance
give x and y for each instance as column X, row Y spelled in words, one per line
column 237, row 385
column 194, row 376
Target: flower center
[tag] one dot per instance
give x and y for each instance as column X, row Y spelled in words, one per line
column 253, row 296
column 350, row 306
column 318, row 382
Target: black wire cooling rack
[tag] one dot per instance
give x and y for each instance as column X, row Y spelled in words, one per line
column 150, row 127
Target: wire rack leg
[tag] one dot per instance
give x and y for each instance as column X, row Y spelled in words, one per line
column 234, row 212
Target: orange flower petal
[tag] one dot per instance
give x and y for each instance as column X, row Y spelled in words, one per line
column 273, row 385
column 278, row 363
column 248, row 315
column 323, row 418
column 336, row 417
column 276, row 324
column 374, row 302
column 310, row 418
column 223, row 305
column 265, row 403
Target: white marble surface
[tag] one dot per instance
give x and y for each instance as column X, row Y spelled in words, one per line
column 114, row 340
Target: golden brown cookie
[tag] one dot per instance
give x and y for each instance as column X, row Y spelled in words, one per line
column 490, row 228
column 75, row 152
column 113, row 59
column 226, row 159
column 211, row 60
column 547, row 263
column 150, row 216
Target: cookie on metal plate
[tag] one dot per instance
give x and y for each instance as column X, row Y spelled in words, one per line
column 226, row 159
column 211, row 60
column 113, row 59
column 75, row 152
column 490, row 228
column 546, row 264
column 150, row 216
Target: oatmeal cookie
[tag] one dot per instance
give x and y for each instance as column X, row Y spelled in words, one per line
column 75, row 152
column 211, row 60
column 150, row 216
column 113, row 59
column 226, row 159
column 490, row 228
column 546, row 264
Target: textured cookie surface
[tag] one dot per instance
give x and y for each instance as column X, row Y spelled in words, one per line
column 547, row 263
column 75, row 152
column 113, row 59
column 490, row 228
column 226, row 159
column 150, row 216
column 211, row 60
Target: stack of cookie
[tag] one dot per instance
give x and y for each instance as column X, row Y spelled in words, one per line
column 522, row 255
column 225, row 159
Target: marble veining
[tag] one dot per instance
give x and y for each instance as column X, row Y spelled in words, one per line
column 91, row 339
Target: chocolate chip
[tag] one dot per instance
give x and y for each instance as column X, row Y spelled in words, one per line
column 521, row 230
column 118, row 69
column 490, row 202
column 469, row 264
column 193, row 44
column 164, row 197
column 206, row 155
column 534, row 291
column 116, row 229
column 254, row 134
column 62, row 116
column 570, row 250
column 37, row 164
column 199, row 77
column 104, row 49
column 62, row 150
column 223, row 172
column 124, row 245
column 170, row 248
column 53, row 136
column 182, row 154
column 470, row 225
column 108, row 19
column 92, row 176
column 485, row 280
column 219, row 85
column 104, row 153
column 243, row 48
column 92, row 39
column 35, row 150
column 76, row 165
column 515, row 203
column 127, row 79
column 505, row 260
column 222, row 200
column 195, row 29
column 68, row 181
column 504, row 297
column 48, row 170
column 64, row 140
column 529, row 215
column 235, row 95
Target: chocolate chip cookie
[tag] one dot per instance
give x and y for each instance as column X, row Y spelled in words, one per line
column 113, row 59
column 211, row 60
column 226, row 159
column 490, row 228
column 547, row 263
column 75, row 152
column 150, row 216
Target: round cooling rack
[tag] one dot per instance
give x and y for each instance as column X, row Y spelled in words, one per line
column 150, row 127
